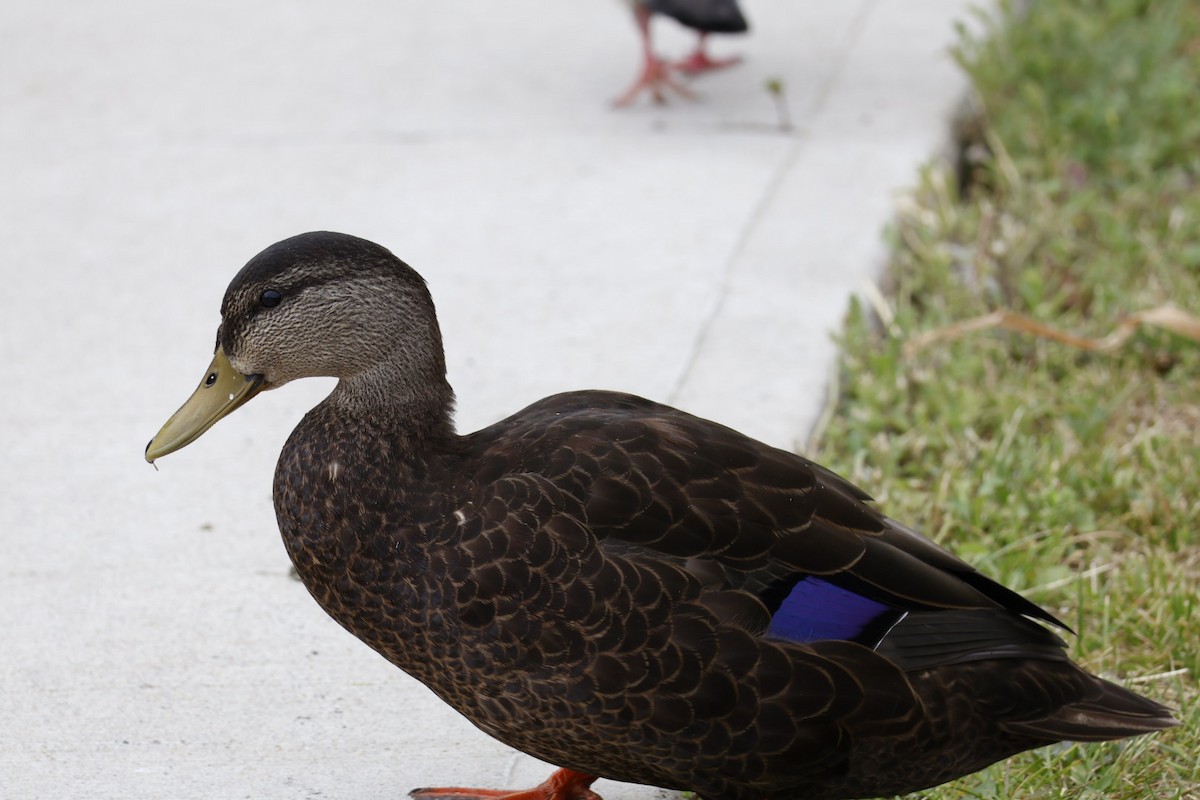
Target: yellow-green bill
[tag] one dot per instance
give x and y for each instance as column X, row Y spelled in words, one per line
column 222, row 390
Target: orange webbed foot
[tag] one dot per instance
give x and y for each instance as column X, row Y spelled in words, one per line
column 656, row 79
column 701, row 61
column 565, row 784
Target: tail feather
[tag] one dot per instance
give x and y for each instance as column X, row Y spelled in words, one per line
column 1111, row 712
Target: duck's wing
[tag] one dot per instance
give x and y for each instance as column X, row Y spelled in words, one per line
column 659, row 485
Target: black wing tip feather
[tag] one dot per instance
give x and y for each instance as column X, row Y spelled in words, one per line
column 1013, row 601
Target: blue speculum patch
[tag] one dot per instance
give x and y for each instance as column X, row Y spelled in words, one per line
column 816, row 609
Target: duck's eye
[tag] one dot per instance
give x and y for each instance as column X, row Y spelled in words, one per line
column 270, row 298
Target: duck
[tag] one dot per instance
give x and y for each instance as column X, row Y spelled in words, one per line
column 618, row 587
column 704, row 17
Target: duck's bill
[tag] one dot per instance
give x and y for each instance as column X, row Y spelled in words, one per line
column 222, row 390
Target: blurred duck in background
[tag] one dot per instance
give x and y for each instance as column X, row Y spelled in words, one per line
column 703, row 16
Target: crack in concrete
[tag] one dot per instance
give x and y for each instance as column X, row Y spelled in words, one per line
column 857, row 26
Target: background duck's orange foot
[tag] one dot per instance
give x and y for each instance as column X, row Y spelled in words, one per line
column 701, row 61
column 656, row 79
column 565, row 784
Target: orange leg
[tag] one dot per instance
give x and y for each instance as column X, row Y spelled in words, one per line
column 700, row 61
column 656, row 74
column 565, row 784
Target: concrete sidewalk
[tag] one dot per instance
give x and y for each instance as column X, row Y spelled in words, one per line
column 695, row 253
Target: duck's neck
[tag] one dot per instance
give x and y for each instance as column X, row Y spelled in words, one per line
column 401, row 402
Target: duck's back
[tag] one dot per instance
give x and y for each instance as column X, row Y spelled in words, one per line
column 709, row 16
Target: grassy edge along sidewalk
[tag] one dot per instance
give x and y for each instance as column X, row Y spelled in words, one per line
column 1070, row 474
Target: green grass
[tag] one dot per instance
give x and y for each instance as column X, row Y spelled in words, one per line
column 1071, row 476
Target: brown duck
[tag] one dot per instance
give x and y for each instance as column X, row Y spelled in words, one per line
column 620, row 588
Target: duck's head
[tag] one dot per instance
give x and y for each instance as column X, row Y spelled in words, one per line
column 319, row 304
